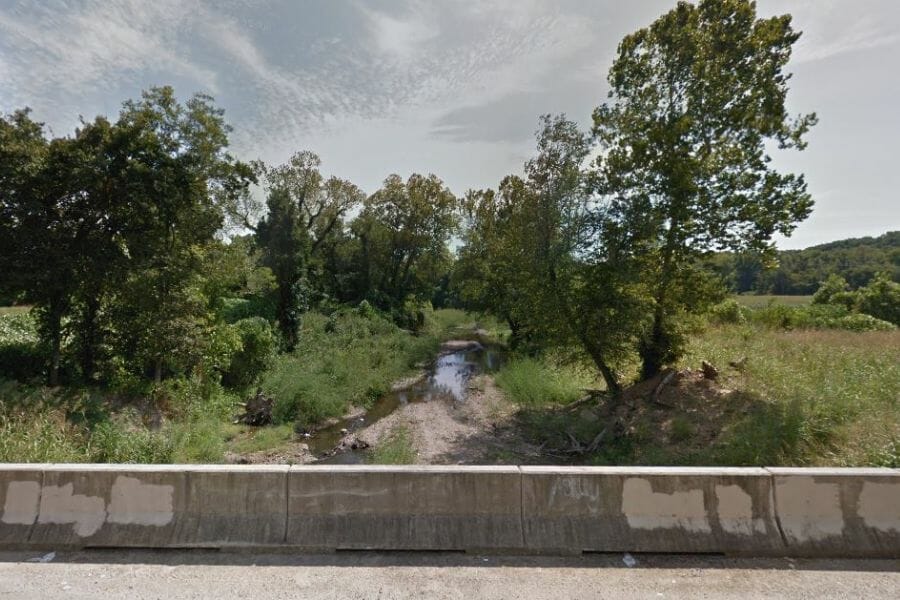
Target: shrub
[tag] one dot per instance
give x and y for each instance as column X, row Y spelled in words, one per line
column 116, row 443
column 834, row 284
column 258, row 344
column 729, row 312
column 881, row 299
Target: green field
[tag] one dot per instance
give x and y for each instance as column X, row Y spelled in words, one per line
column 762, row 300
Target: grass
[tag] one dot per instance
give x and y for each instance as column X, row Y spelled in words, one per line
column 822, row 397
column 14, row 310
column 533, row 382
column 394, row 449
column 803, row 398
column 347, row 359
column 762, row 300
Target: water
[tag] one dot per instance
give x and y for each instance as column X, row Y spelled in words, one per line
column 447, row 379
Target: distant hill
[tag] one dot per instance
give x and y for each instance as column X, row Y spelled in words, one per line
column 801, row 271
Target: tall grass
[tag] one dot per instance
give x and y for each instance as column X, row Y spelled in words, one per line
column 533, row 382
column 828, row 397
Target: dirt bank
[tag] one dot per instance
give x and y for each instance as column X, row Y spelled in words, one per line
column 444, row 431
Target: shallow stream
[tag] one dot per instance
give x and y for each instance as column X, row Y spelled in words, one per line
column 447, row 379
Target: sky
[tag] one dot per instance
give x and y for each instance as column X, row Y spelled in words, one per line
column 445, row 87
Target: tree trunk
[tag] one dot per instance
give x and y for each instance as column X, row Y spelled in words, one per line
column 54, row 331
column 609, row 375
column 157, row 370
column 89, row 337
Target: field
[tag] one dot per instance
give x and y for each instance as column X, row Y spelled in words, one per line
column 800, row 398
column 762, row 300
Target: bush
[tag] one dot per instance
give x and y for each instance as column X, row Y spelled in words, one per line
column 233, row 310
column 881, row 299
column 833, row 285
column 258, row 344
column 21, row 356
column 729, row 312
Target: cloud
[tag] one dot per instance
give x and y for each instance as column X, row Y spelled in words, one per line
column 68, row 48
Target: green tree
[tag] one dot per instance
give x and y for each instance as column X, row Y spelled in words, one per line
column 695, row 99
column 403, row 233
column 303, row 210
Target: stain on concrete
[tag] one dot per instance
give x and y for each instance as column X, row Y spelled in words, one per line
column 646, row 509
column 879, row 506
column 736, row 511
column 578, row 489
column 60, row 506
column 133, row 502
column 21, row 506
column 808, row 510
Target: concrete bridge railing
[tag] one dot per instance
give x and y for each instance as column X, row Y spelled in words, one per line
column 740, row 511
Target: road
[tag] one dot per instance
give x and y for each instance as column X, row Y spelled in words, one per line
column 205, row 574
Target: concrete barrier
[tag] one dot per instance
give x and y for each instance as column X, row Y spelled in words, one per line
column 410, row 508
column 839, row 512
column 649, row 510
column 740, row 511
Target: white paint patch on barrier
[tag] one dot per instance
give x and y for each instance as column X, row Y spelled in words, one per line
column 21, row 506
column 879, row 506
column 646, row 509
column 133, row 502
column 736, row 511
column 808, row 510
column 59, row 505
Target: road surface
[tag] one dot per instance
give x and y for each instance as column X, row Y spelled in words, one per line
column 206, row 574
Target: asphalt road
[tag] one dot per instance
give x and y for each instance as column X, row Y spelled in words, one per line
column 205, row 574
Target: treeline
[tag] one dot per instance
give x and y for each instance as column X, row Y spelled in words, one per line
column 147, row 249
column 800, row 272
column 148, row 252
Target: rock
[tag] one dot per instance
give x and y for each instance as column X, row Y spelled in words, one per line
column 709, row 371
column 345, row 431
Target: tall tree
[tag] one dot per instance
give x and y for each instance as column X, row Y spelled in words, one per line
column 695, row 100
column 404, row 231
column 303, row 210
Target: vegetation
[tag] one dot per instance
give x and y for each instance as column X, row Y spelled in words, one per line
column 168, row 280
column 800, row 272
column 531, row 382
column 394, row 449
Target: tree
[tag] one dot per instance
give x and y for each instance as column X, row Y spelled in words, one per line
column 174, row 176
column 303, row 211
column 695, row 98
column 403, row 232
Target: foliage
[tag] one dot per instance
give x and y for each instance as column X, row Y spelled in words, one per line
column 395, row 448
column 881, row 299
column 695, row 99
column 532, row 382
column 258, row 344
column 794, row 272
column 350, row 357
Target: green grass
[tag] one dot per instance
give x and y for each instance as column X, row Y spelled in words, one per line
column 814, row 397
column 347, row 359
column 244, row 439
column 14, row 310
column 762, row 300
column 394, row 449
column 533, row 382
